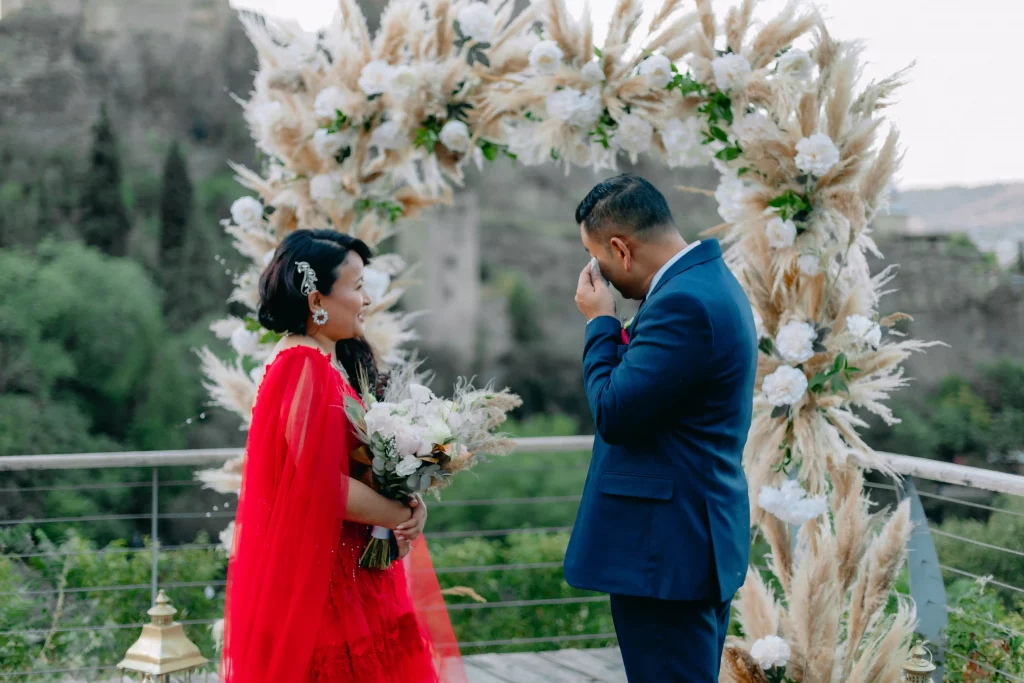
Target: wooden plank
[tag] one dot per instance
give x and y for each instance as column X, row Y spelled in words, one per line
column 509, row 669
column 477, row 674
column 552, row 672
column 612, row 655
column 578, row 660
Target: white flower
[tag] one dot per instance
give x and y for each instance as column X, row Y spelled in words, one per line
column 790, row 503
column 785, row 386
column 247, row 212
column 256, row 374
column 633, row 134
column 781, row 233
column 330, row 101
column 796, row 64
column 682, row 141
column 755, row 126
column 657, row 69
column 227, row 536
column 455, row 136
column 731, row 194
column 816, row 155
column 404, row 81
column 809, row 264
column 759, row 325
column 375, row 78
column 268, row 257
column 408, row 439
column 771, row 651
column 389, row 136
column 864, row 329
column 731, row 71
column 477, row 21
column 375, row 284
column 420, row 394
column 408, row 465
column 327, row 145
column 324, row 186
column 436, row 432
column 546, row 57
column 380, row 419
column 593, row 72
column 795, row 342
column 581, row 110
column 244, row 342
column 209, row 592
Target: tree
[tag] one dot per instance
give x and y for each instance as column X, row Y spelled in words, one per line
column 104, row 222
column 178, row 244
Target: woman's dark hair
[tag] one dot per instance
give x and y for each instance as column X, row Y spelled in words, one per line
column 283, row 306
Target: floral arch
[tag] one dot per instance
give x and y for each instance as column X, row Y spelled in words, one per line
column 361, row 132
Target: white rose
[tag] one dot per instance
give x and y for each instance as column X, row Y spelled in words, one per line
column 404, row 81
column 325, row 186
column 796, row 64
column 790, row 503
column 731, row 195
column 731, row 71
column 658, row 70
column 327, row 145
column 755, row 126
column 244, row 342
column 809, row 264
column 455, row 136
column 477, row 21
column 420, row 394
column 864, row 329
column 375, row 78
column 795, row 342
column 330, row 101
column 389, row 136
column 816, row 155
column 408, row 465
column 781, row 233
column 771, row 651
column 593, row 73
column 380, row 419
column 247, row 212
column 408, row 439
column 546, row 57
column 785, row 386
column 682, row 141
column 633, row 134
column 581, row 110
column 375, row 284
column 436, row 432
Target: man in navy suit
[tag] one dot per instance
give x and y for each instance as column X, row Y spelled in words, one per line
column 664, row 524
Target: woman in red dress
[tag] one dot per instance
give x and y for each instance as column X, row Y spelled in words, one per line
column 299, row 607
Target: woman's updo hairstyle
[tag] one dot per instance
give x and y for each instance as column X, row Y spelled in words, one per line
column 285, row 309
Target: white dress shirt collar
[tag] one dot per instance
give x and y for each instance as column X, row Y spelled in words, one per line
column 668, row 264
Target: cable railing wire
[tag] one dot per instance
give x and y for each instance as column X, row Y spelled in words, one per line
column 543, row 602
column 1001, row 627
column 541, row 639
column 102, row 627
column 981, row 579
column 116, row 551
column 983, row 665
column 982, row 544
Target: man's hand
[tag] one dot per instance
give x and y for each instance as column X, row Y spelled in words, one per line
column 593, row 297
column 411, row 529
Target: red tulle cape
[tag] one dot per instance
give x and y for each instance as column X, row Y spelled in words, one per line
column 299, row 608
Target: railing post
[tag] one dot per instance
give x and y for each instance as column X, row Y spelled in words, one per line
column 927, row 587
column 153, row 542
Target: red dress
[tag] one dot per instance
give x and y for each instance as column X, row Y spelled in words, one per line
column 299, row 608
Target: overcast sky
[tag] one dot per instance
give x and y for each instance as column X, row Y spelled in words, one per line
column 961, row 116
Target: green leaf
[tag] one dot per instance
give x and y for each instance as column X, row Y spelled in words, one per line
column 742, row 171
column 766, row 346
column 343, row 154
column 718, row 134
column 483, row 59
column 728, row 154
column 458, row 30
column 779, row 411
column 817, row 382
column 839, row 363
column 598, row 53
column 489, row 149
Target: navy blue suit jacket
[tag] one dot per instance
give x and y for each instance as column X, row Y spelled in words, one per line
column 665, row 512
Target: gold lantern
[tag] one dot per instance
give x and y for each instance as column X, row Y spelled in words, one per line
column 163, row 648
column 919, row 668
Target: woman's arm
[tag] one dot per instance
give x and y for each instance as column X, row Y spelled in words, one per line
column 366, row 506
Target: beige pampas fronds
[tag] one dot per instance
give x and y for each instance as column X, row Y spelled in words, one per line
column 229, row 386
column 756, row 608
column 736, row 24
column 739, row 667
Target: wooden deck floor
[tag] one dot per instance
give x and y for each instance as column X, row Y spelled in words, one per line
column 599, row 665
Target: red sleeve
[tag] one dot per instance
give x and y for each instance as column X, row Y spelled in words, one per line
column 288, row 521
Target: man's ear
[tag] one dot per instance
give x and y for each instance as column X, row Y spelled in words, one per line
column 621, row 249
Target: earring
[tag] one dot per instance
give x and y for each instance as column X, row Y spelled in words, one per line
column 319, row 316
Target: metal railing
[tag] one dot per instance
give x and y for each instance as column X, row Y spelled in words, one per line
column 947, row 474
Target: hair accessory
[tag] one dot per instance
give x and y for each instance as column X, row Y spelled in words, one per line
column 308, row 278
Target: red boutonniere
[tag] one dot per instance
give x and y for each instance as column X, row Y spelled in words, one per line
column 625, row 331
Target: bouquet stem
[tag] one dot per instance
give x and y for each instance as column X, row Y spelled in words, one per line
column 379, row 552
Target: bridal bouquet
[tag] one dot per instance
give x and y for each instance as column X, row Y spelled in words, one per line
column 416, row 441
